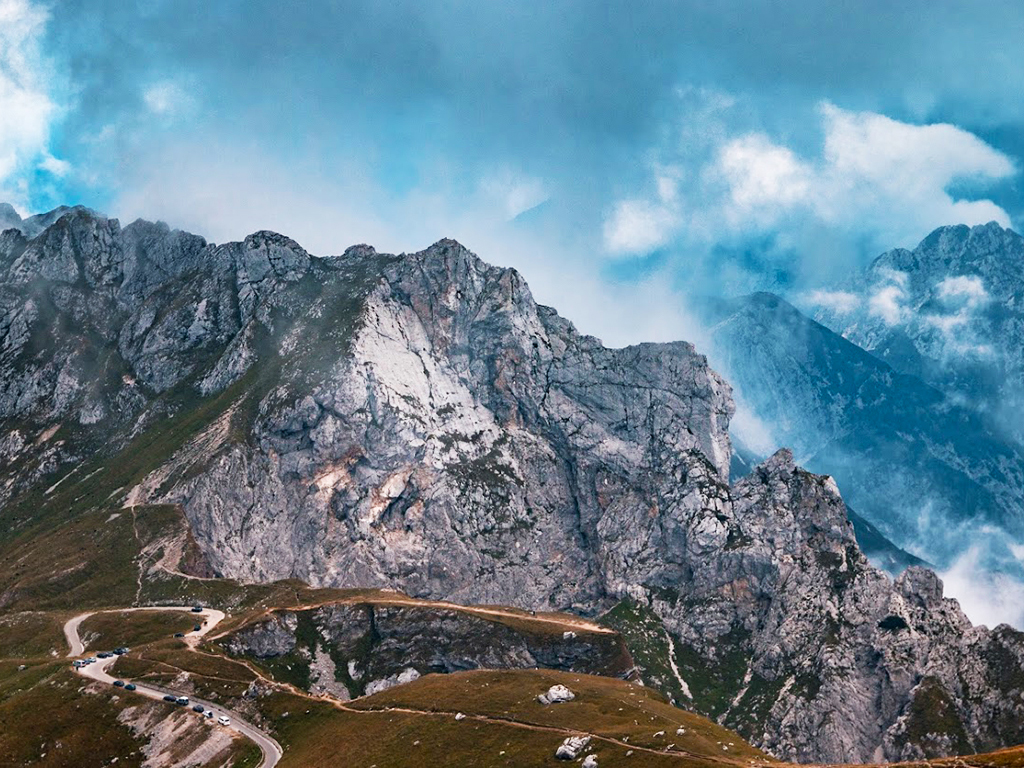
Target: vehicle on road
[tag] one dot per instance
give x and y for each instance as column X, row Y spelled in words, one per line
column 121, row 651
column 171, row 699
column 104, row 654
column 209, row 714
column 179, row 634
column 196, row 628
column 198, row 708
column 130, row 687
column 197, row 608
column 182, row 700
column 224, row 720
column 91, row 660
column 77, row 664
column 119, row 683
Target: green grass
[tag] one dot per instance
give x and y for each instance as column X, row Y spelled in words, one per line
column 31, row 633
column 108, row 630
column 58, row 720
column 645, row 637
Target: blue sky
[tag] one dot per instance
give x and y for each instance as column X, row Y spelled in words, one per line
column 627, row 149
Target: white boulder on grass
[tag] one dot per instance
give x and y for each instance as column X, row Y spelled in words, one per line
column 556, row 694
column 570, row 748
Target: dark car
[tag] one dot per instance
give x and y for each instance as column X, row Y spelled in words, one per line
column 119, row 683
column 179, row 634
column 197, row 608
column 171, row 699
column 130, row 687
column 104, row 655
column 120, row 651
column 198, row 708
column 196, row 628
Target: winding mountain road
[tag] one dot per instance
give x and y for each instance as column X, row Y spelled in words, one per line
column 97, row 671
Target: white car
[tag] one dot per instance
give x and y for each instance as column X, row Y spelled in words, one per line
column 224, row 720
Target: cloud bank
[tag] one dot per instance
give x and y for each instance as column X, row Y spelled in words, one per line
column 874, row 181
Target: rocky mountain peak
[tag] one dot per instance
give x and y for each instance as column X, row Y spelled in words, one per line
column 419, row 423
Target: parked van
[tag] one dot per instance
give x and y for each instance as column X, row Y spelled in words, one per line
column 224, row 720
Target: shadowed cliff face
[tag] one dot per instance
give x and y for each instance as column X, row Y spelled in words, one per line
column 419, row 422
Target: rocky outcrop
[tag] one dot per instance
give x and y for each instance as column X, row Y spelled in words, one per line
column 419, row 422
column 368, row 647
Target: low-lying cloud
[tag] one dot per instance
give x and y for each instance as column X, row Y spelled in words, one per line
column 987, row 597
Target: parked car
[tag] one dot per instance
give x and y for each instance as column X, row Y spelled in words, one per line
column 104, row 654
column 170, row 698
column 197, row 608
column 182, row 700
column 130, row 687
column 91, row 660
column 209, row 714
column 198, row 708
column 77, row 664
column 197, row 627
column 224, row 720
column 121, row 651
column 119, row 683
column 179, row 634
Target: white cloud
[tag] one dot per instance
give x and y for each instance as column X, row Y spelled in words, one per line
column 641, row 225
column 763, row 178
column 842, row 302
column 887, row 303
column 27, row 110
column 987, row 597
column 166, row 98
column 969, row 287
column 872, row 176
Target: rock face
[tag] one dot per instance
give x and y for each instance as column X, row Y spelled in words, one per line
column 419, row 422
column 367, row 647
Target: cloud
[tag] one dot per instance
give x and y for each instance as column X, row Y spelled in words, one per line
column 841, row 302
column 166, row 98
column 514, row 192
column 886, row 303
column 987, row 597
column 969, row 287
column 27, row 110
column 763, row 179
column 873, row 183
column 643, row 225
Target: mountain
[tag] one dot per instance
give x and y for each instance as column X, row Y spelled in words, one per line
column 949, row 311
column 418, row 422
column 904, row 453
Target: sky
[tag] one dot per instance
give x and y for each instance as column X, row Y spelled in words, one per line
column 635, row 148
column 622, row 155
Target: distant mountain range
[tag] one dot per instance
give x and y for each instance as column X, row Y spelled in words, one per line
column 906, row 388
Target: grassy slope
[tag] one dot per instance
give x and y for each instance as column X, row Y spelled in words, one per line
column 105, row 631
column 52, row 718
